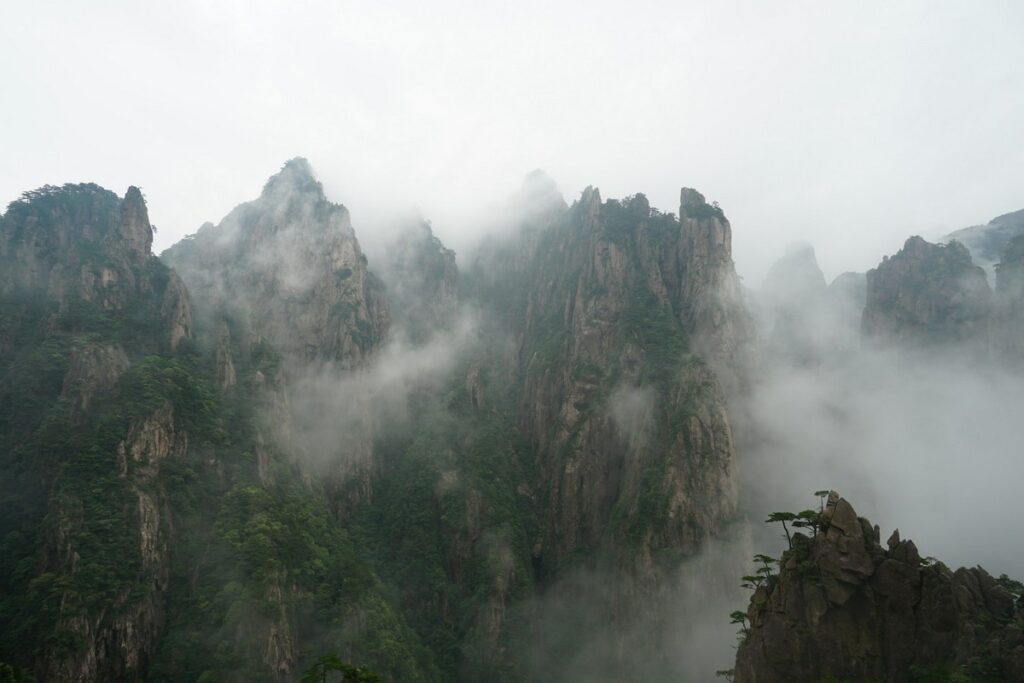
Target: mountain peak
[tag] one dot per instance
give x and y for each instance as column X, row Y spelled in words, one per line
column 296, row 175
column 690, row 197
column 135, row 227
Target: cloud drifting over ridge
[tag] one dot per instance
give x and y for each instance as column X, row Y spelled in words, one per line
column 849, row 127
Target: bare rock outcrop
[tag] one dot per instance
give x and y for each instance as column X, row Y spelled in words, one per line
column 287, row 268
column 630, row 307
column 844, row 606
column 710, row 298
column 94, row 368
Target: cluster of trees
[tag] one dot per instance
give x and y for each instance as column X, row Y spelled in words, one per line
column 328, row 664
column 766, row 573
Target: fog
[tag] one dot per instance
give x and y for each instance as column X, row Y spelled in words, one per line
column 594, row 628
column 925, row 440
column 336, row 412
column 847, row 126
column 922, row 440
column 929, row 445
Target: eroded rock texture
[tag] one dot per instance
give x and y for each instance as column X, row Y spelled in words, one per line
column 843, row 605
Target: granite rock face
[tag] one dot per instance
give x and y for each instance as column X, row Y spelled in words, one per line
column 83, row 302
column 282, row 284
column 709, row 298
column 81, row 249
column 627, row 312
column 928, row 295
column 287, row 270
column 587, row 428
column 843, row 605
column 422, row 283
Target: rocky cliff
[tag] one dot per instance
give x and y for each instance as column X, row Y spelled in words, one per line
column 844, row 607
column 83, row 253
column 281, row 284
column 287, row 269
column 627, row 418
column 90, row 318
column 291, row 319
column 622, row 316
column 710, row 299
column 287, row 478
column 928, row 295
column 422, row 282
column 584, row 434
column 1008, row 319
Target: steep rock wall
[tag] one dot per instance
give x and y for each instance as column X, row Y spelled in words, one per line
column 844, row 606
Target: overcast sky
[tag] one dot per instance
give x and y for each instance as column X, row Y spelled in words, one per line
column 849, row 125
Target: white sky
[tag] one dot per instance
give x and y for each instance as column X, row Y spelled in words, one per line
column 849, row 125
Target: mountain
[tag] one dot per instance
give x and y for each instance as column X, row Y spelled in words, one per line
column 987, row 242
column 98, row 393
column 287, row 269
column 440, row 475
column 843, row 607
column 623, row 297
column 792, row 299
column 928, row 295
column 804, row 321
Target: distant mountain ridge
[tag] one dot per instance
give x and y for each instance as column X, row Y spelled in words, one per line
column 987, row 242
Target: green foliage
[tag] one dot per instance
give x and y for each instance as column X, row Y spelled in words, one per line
column 447, row 524
column 44, row 210
column 158, row 381
column 938, row 673
column 704, row 211
column 740, row 618
column 265, row 358
column 807, row 519
column 1013, row 587
column 14, row 674
column 782, row 518
column 330, row 663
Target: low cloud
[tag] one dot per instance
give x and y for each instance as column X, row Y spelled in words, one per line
column 336, row 412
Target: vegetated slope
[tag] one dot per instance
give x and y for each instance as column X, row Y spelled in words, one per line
column 325, row 461
column 618, row 316
column 147, row 532
column 97, row 392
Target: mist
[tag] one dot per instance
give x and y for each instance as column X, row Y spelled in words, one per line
column 847, row 127
column 925, row 440
column 336, row 412
column 681, row 632
column 444, row 133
